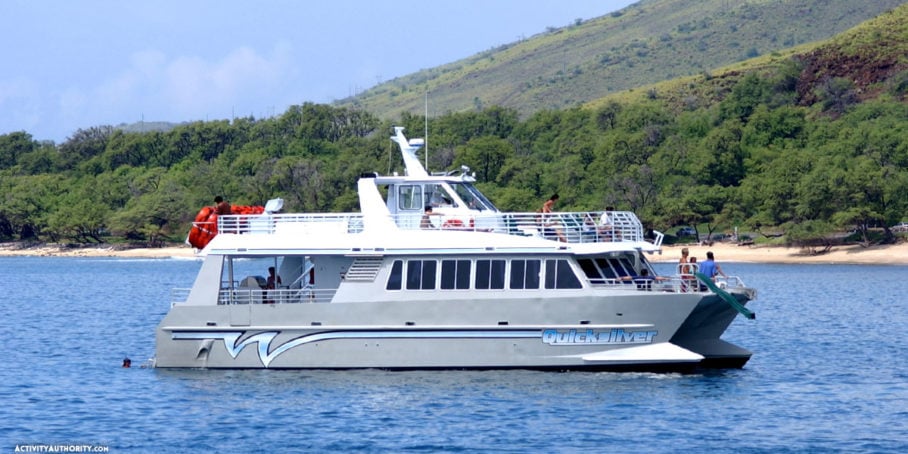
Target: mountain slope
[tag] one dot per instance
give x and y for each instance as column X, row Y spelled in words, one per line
column 648, row 42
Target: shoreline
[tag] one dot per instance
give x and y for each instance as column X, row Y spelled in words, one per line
column 893, row 254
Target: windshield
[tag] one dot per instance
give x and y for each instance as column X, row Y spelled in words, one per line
column 472, row 197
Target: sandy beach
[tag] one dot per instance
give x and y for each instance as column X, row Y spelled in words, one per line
column 896, row 254
column 850, row 254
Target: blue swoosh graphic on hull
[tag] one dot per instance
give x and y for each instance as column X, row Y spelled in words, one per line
column 233, row 345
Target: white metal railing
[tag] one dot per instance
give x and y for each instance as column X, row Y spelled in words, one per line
column 571, row 227
column 275, row 296
column 179, row 295
column 260, row 296
column 671, row 284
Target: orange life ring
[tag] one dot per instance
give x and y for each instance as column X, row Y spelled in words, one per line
column 452, row 224
column 458, row 224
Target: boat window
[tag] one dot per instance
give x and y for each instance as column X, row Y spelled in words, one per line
column 558, row 274
column 525, row 274
column 606, row 269
column 489, row 274
column 592, row 273
column 455, row 274
column 623, row 266
column 421, row 274
column 409, row 197
column 472, row 197
column 394, row 280
column 437, row 196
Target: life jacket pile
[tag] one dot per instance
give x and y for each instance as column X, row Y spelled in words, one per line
column 205, row 225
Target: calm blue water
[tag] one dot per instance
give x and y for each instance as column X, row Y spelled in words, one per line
column 830, row 373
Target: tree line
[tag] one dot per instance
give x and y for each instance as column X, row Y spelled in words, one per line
column 760, row 158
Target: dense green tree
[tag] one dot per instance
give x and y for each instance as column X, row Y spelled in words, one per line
column 13, row 146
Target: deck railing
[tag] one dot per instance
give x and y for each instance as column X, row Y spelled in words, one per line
column 670, row 284
column 570, row 227
column 261, row 296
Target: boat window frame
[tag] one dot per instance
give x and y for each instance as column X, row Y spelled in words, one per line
column 458, row 278
column 559, row 274
column 421, row 274
column 493, row 274
column 410, row 197
column 523, row 276
column 395, row 277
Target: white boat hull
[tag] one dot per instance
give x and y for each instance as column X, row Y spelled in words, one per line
column 629, row 332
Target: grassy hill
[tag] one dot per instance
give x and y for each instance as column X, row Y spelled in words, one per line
column 645, row 43
column 871, row 56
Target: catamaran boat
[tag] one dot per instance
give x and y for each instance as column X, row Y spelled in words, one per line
column 460, row 286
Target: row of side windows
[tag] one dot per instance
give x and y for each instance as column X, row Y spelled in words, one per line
column 489, row 274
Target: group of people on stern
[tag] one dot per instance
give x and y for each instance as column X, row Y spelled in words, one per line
column 604, row 228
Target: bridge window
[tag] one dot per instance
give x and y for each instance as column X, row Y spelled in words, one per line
column 409, row 197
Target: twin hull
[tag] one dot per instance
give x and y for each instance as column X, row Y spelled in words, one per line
column 619, row 331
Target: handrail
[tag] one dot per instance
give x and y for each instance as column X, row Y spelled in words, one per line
column 571, row 227
column 732, row 301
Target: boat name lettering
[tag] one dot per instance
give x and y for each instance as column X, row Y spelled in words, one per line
column 612, row 336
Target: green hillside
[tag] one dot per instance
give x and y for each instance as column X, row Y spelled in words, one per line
column 803, row 144
column 648, row 42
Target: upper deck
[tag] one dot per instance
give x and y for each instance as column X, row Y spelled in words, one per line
column 569, row 227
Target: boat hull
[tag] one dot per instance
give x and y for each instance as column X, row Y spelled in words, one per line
column 700, row 332
column 623, row 332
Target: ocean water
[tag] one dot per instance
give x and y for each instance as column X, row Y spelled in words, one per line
column 829, row 373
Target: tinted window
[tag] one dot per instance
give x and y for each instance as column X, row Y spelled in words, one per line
column 428, row 274
column 589, row 268
column 534, row 269
column 463, row 274
column 490, row 274
column 518, row 271
column 455, row 274
column 482, row 274
column 497, row 274
column 524, row 274
column 414, row 274
column 606, row 269
column 394, row 279
column 558, row 274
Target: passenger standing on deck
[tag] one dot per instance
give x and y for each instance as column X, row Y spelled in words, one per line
column 607, row 225
column 549, row 222
column 221, row 206
column 710, row 268
column 549, row 205
column 271, row 283
column 682, row 263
